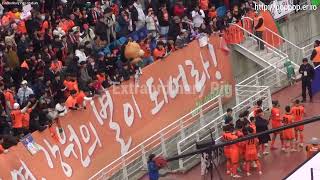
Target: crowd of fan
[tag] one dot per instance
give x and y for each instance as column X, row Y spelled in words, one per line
column 52, row 58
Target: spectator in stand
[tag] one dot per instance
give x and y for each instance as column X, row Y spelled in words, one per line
column 159, row 52
column 152, row 23
column 147, row 57
column 182, row 39
column 179, row 9
column 174, row 29
column 141, row 16
column 164, row 19
column 71, row 102
column 24, row 92
column 198, row 16
column 110, row 20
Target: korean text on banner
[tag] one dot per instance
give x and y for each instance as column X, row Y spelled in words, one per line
column 125, row 115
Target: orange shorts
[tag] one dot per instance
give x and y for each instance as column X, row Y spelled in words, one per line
column 299, row 128
column 288, row 134
column 251, row 156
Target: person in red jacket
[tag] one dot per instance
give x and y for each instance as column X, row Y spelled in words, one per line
column 179, row 9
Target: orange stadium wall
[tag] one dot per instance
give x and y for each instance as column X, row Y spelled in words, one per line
column 125, row 116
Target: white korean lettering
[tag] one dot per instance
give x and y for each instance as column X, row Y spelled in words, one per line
column 63, row 139
column 206, row 65
column 73, row 137
column 18, row 174
column 128, row 114
column 136, row 105
column 154, row 97
column 84, row 131
column 199, row 83
column 49, row 160
column 54, row 149
column 164, row 91
column 107, row 103
column 97, row 141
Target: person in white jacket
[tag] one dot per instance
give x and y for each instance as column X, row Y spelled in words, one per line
column 198, row 17
column 141, row 16
column 152, row 23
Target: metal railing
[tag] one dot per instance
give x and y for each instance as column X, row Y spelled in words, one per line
column 294, row 52
column 215, row 126
column 162, row 142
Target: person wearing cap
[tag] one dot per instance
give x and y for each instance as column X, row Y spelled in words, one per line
column 17, row 118
column 307, row 72
column 261, row 126
column 153, row 169
column 24, row 92
column 313, row 147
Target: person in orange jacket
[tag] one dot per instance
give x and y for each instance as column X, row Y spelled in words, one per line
column 288, row 134
column 17, row 118
column 298, row 112
column 251, row 152
column 275, row 119
column 313, row 147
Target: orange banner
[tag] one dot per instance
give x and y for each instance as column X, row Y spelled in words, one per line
column 125, row 115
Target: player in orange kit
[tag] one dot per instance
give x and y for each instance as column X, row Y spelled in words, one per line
column 226, row 136
column 275, row 118
column 298, row 112
column 288, row 134
column 251, row 152
column 257, row 107
column 231, row 152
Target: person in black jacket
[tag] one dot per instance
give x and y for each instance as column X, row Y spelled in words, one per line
column 307, row 72
column 262, row 125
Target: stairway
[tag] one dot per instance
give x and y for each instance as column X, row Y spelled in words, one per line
column 270, row 56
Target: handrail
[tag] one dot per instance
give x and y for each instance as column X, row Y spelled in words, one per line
column 264, row 88
column 221, row 116
column 273, row 48
column 157, row 134
column 276, row 34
